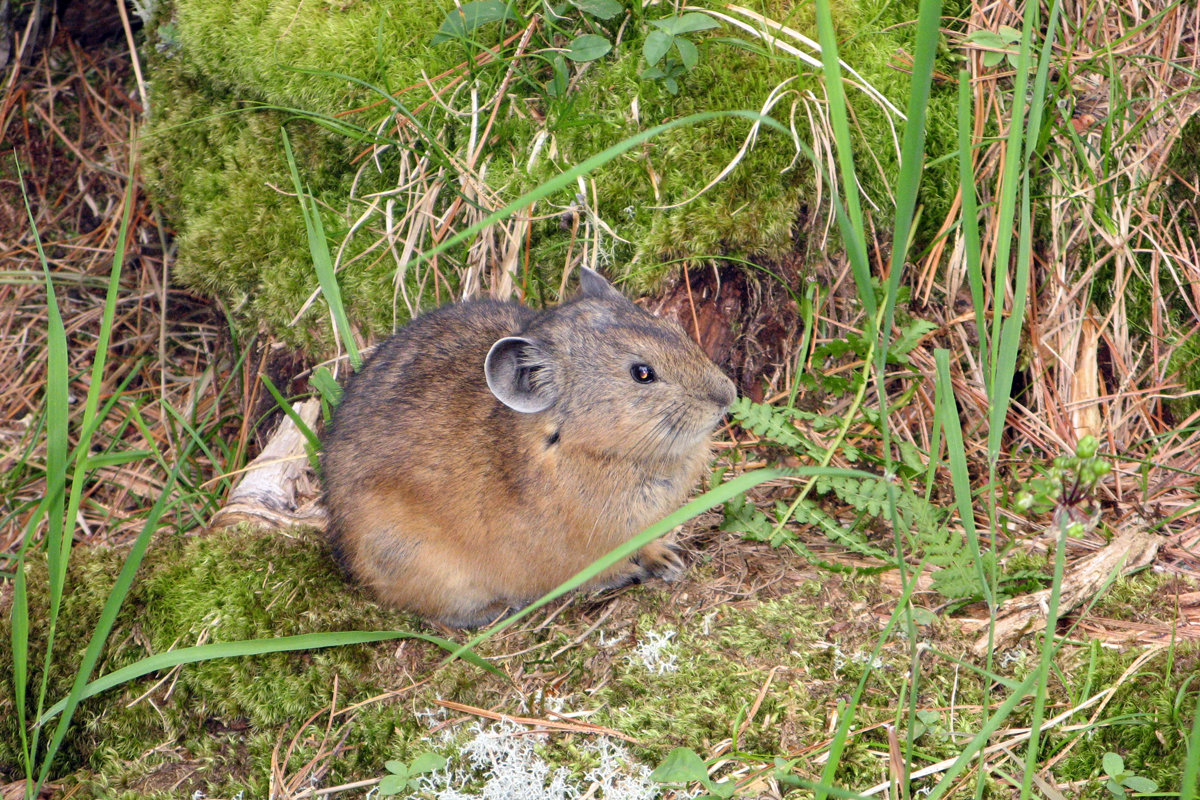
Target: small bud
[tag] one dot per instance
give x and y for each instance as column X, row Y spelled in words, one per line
column 1087, row 447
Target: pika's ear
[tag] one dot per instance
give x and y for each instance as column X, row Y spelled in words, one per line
column 592, row 284
column 512, row 370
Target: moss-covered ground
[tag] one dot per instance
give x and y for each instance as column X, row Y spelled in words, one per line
column 225, row 79
column 711, row 663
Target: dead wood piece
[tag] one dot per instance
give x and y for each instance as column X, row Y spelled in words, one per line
column 1119, row 630
column 277, row 489
column 1022, row 615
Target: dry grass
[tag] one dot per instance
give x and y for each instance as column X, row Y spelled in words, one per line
column 1128, row 88
column 437, row 194
column 1087, row 372
column 66, row 117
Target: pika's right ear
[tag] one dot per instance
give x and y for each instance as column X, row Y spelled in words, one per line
column 512, row 368
column 593, row 284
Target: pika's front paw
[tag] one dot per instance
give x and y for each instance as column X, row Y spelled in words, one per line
column 660, row 561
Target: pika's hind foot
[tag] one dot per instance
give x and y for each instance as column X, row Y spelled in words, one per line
column 655, row 560
column 659, row 560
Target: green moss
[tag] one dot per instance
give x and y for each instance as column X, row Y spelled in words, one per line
column 216, row 726
column 1145, row 722
column 1145, row 596
column 218, row 166
column 222, row 717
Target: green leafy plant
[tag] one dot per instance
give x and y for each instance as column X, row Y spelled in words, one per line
column 929, row 723
column 668, row 51
column 591, row 46
column 683, row 765
column 924, row 525
column 407, row 777
column 1120, row 781
column 465, row 20
column 585, row 39
column 469, row 17
column 998, row 45
column 910, row 332
column 1066, row 488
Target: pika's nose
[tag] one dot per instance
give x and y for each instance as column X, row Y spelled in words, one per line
column 724, row 393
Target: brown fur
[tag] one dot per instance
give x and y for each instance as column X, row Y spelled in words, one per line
column 449, row 503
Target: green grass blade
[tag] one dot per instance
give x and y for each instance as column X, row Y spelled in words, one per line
column 286, row 408
column 19, row 637
column 951, row 428
column 1007, row 345
column 115, row 459
column 1033, row 143
column 249, row 647
column 1006, row 217
column 853, row 230
column 973, row 250
column 1004, row 366
column 1191, row 768
column 960, row 476
column 912, row 159
column 89, row 422
column 61, row 536
column 57, row 427
column 104, row 624
column 318, row 247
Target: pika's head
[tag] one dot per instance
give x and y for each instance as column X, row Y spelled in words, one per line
column 608, row 377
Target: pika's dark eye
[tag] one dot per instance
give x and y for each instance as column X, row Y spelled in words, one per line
column 642, row 373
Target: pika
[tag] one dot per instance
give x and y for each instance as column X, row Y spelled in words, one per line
column 487, row 452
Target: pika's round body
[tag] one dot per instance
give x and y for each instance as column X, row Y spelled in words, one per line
column 487, row 452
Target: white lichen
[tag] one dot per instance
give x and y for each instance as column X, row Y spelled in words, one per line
column 501, row 762
column 656, row 653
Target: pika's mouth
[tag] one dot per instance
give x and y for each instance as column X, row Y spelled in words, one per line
column 686, row 439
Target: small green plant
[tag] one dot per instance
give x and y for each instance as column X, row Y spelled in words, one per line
column 930, row 724
column 1066, row 488
column 925, row 525
column 586, row 38
column 465, row 19
column 667, row 49
column 910, row 332
column 407, row 777
column 683, row 765
column 1121, row 780
column 669, row 54
column 998, row 45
